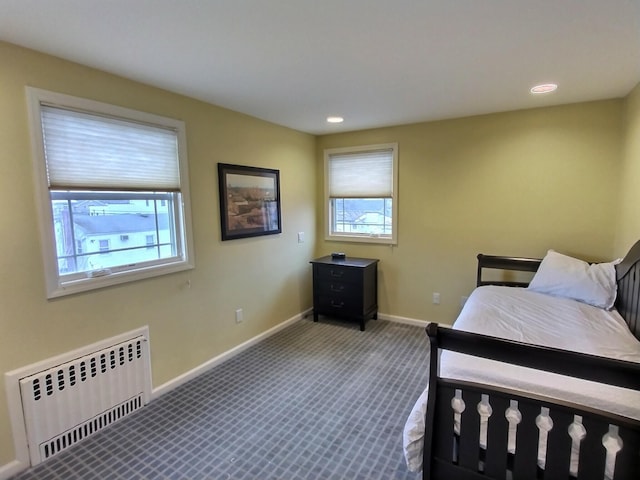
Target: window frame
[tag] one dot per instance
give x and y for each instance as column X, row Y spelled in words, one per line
column 60, row 285
column 329, row 210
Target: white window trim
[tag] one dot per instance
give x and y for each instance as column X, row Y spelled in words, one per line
column 54, row 286
column 354, row 237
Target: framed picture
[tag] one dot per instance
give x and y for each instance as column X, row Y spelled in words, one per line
column 249, row 201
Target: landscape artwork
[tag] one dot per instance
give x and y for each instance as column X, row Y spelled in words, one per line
column 249, row 201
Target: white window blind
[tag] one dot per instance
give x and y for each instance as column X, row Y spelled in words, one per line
column 364, row 174
column 89, row 151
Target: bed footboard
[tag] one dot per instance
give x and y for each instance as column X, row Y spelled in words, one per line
column 476, row 431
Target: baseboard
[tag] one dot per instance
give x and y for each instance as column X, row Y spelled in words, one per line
column 405, row 320
column 11, row 469
column 209, row 364
column 408, row 321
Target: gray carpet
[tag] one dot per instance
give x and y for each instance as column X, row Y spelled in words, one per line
column 315, row 401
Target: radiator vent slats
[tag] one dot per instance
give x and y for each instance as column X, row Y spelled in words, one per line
column 85, row 429
column 69, row 402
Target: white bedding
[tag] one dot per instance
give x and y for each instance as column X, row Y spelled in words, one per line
column 526, row 316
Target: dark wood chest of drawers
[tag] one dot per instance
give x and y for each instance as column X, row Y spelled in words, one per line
column 345, row 288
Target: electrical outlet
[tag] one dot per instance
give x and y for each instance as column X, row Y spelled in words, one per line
column 300, row 237
column 436, row 298
column 239, row 315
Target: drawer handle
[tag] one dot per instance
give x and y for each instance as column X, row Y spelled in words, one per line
column 337, row 273
column 337, row 305
column 339, row 288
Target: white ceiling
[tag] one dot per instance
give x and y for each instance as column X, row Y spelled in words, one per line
column 375, row 62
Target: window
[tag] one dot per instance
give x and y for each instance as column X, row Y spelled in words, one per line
column 104, row 245
column 112, row 190
column 361, row 187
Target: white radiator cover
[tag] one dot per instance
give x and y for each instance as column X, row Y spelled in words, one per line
column 69, row 401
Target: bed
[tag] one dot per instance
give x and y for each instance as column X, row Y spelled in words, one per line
column 541, row 382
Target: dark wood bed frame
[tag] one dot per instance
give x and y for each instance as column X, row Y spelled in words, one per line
column 451, row 456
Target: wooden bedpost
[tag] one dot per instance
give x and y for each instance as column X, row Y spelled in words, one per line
column 432, row 333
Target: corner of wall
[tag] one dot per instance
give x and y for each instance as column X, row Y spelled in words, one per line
column 628, row 222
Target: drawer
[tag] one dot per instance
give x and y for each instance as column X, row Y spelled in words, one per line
column 337, row 272
column 338, row 288
column 339, row 305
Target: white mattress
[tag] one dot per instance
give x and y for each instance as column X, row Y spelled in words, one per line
column 526, row 316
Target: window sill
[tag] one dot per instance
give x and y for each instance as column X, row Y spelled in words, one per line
column 361, row 239
column 85, row 284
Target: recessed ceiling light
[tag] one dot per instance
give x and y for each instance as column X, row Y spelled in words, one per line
column 544, row 88
column 335, row 119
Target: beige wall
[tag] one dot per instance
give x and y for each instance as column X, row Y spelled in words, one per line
column 269, row 277
column 514, row 183
column 629, row 207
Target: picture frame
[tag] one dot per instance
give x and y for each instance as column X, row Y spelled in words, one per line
column 249, row 201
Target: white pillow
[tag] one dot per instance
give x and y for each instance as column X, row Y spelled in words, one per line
column 564, row 276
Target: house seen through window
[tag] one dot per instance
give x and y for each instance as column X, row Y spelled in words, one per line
column 108, row 231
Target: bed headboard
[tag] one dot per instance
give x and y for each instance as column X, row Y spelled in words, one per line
column 518, row 264
column 628, row 299
column 627, row 276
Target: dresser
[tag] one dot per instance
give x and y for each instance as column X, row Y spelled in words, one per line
column 345, row 288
